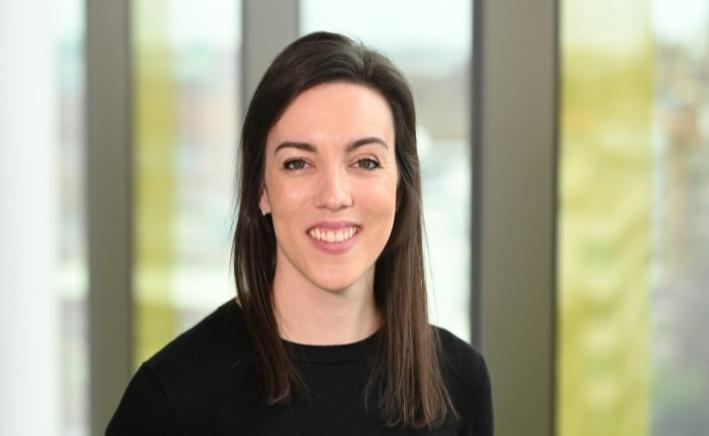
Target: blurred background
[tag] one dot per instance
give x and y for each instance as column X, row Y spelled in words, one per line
column 116, row 193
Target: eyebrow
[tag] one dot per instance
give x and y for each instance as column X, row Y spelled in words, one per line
column 351, row 146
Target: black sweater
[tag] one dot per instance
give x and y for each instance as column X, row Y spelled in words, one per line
column 203, row 383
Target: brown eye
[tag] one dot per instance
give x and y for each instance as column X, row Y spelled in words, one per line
column 294, row 164
column 368, row 164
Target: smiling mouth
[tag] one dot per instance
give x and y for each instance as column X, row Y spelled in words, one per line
column 333, row 236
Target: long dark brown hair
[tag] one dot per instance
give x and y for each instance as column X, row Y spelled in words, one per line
column 405, row 378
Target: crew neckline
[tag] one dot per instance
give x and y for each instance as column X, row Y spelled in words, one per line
column 331, row 353
column 320, row 353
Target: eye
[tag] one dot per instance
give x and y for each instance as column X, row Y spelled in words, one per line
column 294, row 164
column 368, row 164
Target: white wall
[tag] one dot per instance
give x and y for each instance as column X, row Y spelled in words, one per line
column 28, row 219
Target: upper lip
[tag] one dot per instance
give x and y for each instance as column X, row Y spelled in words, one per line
column 333, row 225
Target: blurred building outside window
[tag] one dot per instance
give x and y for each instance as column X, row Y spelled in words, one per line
column 73, row 265
column 634, row 219
column 431, row 42
column 186, row 111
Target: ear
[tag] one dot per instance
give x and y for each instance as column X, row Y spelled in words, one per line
column 264, row 203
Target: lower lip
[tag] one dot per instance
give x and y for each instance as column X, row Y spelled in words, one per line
column 335, row 247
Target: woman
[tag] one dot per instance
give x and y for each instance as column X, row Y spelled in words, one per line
column 329, row 332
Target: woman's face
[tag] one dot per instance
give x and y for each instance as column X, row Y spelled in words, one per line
column 330, row 185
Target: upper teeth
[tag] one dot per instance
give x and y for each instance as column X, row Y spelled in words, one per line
column 332, row 235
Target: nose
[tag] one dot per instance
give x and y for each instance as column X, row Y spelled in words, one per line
column 334, row 191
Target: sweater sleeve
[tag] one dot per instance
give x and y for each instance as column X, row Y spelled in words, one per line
column 145, row 409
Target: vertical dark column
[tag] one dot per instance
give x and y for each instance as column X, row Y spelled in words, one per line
column 514, row 134
column 108, row 140
column 269, row 25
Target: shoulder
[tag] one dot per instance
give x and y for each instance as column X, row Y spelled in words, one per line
column 467, row 380
column 461, row 361
column 144, row 409
column 187, row 379
column 209, row 351
column 220, row 335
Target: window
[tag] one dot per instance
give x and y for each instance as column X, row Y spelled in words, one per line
column 186, row 75
column 633, row 221
column 434, row 55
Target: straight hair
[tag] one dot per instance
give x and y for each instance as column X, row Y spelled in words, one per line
column 405, row 379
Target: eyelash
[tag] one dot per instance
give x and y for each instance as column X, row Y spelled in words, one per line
column 372, row 164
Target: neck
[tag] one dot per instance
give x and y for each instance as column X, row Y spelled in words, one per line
column 308, row 314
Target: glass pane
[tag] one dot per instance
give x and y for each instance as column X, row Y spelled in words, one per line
column 634, row 219
column 73, row 268
column 435, row 57
column 680, row 261
column 186, row 75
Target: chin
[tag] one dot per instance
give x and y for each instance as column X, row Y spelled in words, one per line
column 337, row 284
column 337, row 280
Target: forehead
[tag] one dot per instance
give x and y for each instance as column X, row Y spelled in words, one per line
column 335, row 113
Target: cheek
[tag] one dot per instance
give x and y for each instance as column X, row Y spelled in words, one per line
column 288, row 210
column 379, row 200
column 287, row 198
